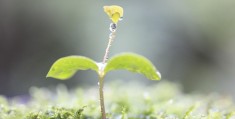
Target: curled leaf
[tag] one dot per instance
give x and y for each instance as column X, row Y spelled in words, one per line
column 114, row 12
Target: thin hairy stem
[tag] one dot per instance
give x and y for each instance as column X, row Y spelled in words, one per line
column 101, row 72
column 111, row 38
column 101, row 85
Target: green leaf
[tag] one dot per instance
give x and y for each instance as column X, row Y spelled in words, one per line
column 134, row 63
column 66, row 67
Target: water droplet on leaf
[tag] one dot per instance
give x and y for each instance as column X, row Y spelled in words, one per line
column 159, row 74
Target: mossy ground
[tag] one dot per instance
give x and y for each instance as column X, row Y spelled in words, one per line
column 123, row 100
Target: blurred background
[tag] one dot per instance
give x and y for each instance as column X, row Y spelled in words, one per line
column 192, row 42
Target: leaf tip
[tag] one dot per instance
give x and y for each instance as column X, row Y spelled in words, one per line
column 159, row 75
column 48, row 76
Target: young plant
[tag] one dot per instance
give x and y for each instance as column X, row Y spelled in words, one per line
column 65, row 67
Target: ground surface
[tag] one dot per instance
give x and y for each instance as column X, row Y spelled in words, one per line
column 123, row 100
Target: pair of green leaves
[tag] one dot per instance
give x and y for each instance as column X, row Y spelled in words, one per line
column 66, row 67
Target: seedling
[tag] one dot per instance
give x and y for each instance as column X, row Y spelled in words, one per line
column 65, row 67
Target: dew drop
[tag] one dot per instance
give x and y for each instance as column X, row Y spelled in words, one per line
column 112, row 27
column 98, row 83
column 159, row 74
column 121, row 18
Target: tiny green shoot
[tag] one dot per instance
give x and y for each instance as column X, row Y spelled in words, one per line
column 65, row 67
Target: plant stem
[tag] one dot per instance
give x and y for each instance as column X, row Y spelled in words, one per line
column 101, row 85
column 101, row 72
column 111, row 38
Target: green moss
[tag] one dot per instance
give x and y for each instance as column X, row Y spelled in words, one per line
column 123, row 100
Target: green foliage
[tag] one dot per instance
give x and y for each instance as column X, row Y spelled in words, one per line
column 130, row 101
column 134, row 63
column 66, row 67
column 53, row 113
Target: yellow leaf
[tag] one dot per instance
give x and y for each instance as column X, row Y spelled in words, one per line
column 114, row 12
